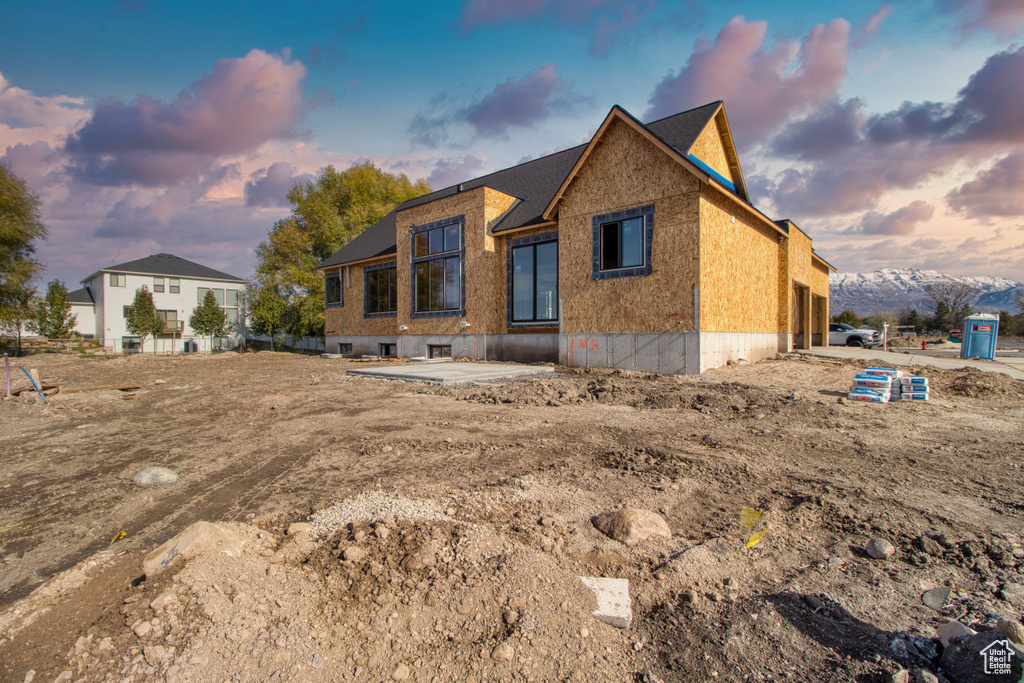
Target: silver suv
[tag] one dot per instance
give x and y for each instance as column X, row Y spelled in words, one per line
column 840, row 334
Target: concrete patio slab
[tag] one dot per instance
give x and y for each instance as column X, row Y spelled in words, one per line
column 456, row 373
column 1014, row 367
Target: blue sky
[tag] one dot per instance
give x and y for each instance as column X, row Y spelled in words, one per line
column 893, row 133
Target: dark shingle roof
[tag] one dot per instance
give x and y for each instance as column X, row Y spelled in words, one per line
column 167, row 264
column 80, row 296
column 534, row 183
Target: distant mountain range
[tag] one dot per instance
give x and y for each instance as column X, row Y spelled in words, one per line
column 892, row 289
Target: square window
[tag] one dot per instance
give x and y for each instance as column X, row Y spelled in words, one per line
column 622, row 243
column 118, row 280
column 345, row 349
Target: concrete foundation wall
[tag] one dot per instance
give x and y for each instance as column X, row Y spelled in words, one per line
column 718, row 348
column 670, row 353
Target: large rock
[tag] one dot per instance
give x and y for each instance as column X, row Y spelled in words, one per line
column 630, row 527
column 1012, row 629
column 880, row 549
column 950, row 630
column 155, row 476
column 964, row 662
column 201, row 538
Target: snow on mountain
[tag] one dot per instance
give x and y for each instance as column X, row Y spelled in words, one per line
column 892, row 289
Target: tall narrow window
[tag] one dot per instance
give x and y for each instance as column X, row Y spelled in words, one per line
column 622, row 243
column 381, row 294
column 173, row 285
column 332, row 289
column 437, row 255
column 534, row 282
column 158, row 284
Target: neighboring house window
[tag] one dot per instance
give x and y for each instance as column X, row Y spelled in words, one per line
column 131, row 343
column 332, row 290
column 127, row 310
column 437, row 260
column 171, row 323
column 158, row 284
column 622, row 243
column 533, row 279
column 173, row 286
column 226, row 299
column 380, row 291
column 118, row 280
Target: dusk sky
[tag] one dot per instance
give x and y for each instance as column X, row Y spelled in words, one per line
column 892, row 133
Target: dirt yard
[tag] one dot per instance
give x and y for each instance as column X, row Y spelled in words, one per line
column 448, row 527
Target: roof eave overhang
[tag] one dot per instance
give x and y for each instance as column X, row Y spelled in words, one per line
column 815, row 257
column 368, row 259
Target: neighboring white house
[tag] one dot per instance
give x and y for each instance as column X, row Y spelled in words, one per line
column 178, row 286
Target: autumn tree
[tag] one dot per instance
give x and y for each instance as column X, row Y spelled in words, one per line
column 143, row 320
column 20, row 230
column 327, row 213
column 53, row 315
column 208, row 318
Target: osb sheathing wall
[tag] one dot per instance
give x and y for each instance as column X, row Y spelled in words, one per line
column 819, row 278
column 709, row 149
column 739, row 260
column 623, row 171
column 348, row 319
column 485, row 286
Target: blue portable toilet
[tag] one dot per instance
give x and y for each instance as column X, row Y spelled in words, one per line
column 980, row 332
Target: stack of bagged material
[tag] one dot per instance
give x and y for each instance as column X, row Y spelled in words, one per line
column 913, row 388
column 871, row 388
column 894, row 376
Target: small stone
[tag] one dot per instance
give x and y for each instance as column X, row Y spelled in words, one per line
column 354, row 554
column 631, row 527
column 142, row 629
column 503, row 653
column 841, row 399
column 159, row 381
column 1012, row 629
column 930, row 546
column 155, row 476
column 899, row 676
column 163, row 601
column 154, row 654
column 30, row 676
column 584, row 632
column 924, row 676
column 689, row 595
column 1013, row 593
column 423, row 557
column 510, row 617
column 813, row 601
column 296, row 528
column 401, row 673
column 950, row 630
column 936, row 597
column 613, row 603
column 880, row 549
column 835, row 562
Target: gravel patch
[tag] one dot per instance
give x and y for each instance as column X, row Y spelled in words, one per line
column 373, row 506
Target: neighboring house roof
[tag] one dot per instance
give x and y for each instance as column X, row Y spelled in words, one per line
column 538, row 182
column 81, row 296
column 169, row 265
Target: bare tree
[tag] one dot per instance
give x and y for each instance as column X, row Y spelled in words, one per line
column 956, row 297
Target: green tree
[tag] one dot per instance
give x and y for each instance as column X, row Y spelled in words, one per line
column 847, row 318
column 53, row 316
column 1007, row 322
column 266, row 307
column 208, row 318
column 20, row 229
column 142, row 320
column 17, row 314
column 941, row 321
column 327, row 214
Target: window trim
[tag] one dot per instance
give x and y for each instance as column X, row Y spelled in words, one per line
column 341, row 291
column 597, row 223
column 173, row 285
column 366, row 290
column 414, row 260
column 509, row 272
column 158, row 282
column 118, row 277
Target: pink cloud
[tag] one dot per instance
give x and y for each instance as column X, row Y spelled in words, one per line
column 763, row 86
column 270, row 186
column 241, row 104
column 998, row 191
column 1002, row 17
column 900, row 222
column 448, row 172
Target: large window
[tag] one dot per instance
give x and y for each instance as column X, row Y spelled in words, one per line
column 332, row 289
column 118, row 280
column 171, row 323
column 533, row 286
column 437, row 281
column 226, row 299
column 381, row 290
column 622, row 243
